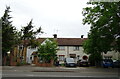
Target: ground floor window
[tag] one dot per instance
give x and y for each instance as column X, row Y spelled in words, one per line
column 107, row 57
column 72, row 55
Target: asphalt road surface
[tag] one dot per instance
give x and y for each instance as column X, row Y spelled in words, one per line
column 30, row 72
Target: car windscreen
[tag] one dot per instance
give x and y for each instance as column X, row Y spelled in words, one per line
column 70, row 60
column 107, row 60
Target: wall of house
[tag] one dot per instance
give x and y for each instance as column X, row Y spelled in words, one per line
column 29, row 56
column 79, row 52
column 70, row 50
column 113, row 54
column 18, row 54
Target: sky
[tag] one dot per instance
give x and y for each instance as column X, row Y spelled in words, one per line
column 61, row 17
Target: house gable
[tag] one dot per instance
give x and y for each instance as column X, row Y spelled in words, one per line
column 47, row 39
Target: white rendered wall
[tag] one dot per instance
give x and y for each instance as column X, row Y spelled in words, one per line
column 29, row 54
column 115, row 55
column 70, row 50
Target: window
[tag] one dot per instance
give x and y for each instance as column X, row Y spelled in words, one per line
column 61, row 47
column 76, row 48
column 31, row 47
column 61, row 57
column 78, row 56
column 72, row 55
column 20, row 47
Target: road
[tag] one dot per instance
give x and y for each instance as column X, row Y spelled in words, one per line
column 60, row 72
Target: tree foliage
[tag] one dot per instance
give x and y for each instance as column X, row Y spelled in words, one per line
column 47, row 51
column 12, row 37
column 8, row 32
column 104, row 35
column 28, row 37
column 104, row 18
column 28, row 31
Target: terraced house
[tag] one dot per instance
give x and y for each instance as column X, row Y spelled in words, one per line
column 68, row 47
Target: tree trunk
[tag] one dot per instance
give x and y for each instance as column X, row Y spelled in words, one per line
column 4, row 55
column 4, row 61
column 52, row 62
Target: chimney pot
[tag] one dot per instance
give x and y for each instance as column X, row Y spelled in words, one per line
column 82, row 36
column 55, row 35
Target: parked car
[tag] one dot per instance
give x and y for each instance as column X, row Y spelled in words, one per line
column 69, row 62
column 83, row 63
column 107, row 63
column 116, row 63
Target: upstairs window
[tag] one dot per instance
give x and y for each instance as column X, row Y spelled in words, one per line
column 76, row 48
column 31, row 47
column 20, row 47
column 61, row 47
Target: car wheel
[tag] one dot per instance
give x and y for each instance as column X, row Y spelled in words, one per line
column 105, row 66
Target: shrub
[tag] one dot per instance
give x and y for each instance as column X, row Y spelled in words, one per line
column 18, row 64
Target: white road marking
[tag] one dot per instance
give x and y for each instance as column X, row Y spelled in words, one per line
column 74, row 68
column 15, row 75
column 30, row 75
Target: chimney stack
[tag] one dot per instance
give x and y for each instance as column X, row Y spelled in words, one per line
column 82, row 36
column 55, row 36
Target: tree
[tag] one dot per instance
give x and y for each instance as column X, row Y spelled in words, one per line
column 47, row 51
column 28, row 33
column 104, row 18
column 12, row 37
column 28, row 36
column 90, row 48
column 8, row 33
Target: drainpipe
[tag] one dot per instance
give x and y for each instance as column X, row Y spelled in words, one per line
column 67, row 51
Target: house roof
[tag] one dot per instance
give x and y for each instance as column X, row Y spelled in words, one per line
column 67, row 41
column 70, row 41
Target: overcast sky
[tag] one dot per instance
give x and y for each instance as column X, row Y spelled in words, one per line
column 63, row 17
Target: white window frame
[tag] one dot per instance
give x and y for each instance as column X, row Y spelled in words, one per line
column 76, row 48
column 61, row 57
column 61, row 47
